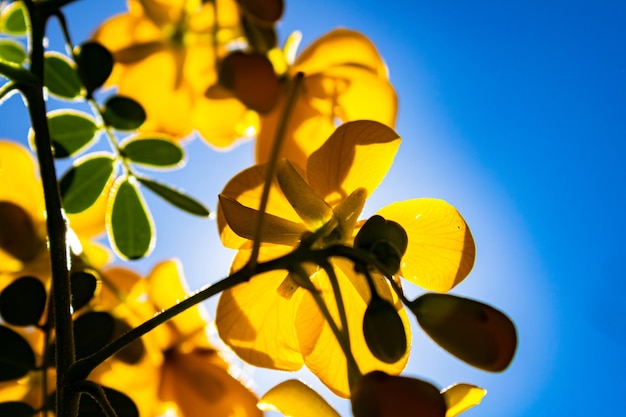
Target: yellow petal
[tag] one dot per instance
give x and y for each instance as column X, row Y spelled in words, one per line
column 306, row 131
column 311, row 208
column 293, row 398
column 461, row 397
column 257, row 321
column 340, row 47
column 441, row 249
column 166, row 288
column 199, row 384
column 358, row 154
column 246, row 188
column 243, row 221
column 327, row 360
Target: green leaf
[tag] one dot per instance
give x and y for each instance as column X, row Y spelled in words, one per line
column 16, row 73
column 16, row 409
column 13, row 19
column 16, row 355
column 293, row 398
column 12, row 51
column 92, row 331
column 95, row 64
column 120, row 402
column 123, row 113
column 161, row 152
column 22, row 302
column 129, row 222
column 70, row 132
column 83, row 285
column 60, row 76
column 470, row 330
column 175, row 197
column 83, row 183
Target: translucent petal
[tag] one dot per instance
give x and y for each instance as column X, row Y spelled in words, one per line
column 167, row 287
column 461, row 397
column 358, row 154
column 200, row 385
column 327, row 360
column 257, row 321
column 246, row 188
column 293, row 398
column 340, row 47
column 441, row 248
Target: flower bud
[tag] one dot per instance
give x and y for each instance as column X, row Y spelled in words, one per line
column 385, row 239
column 384, row 331
column 17, row 232
column 380, row 395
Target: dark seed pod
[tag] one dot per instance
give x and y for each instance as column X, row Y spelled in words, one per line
column 384, row 331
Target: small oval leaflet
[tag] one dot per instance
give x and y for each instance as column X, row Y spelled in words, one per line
column 95, row 64
column 123, row 113
column 12, row 51
column 92, row 331
column 60, row 76
column 120, row 402
column 13, row 19
column 175, row 197
column 22, row 302
column 129, row 222
column 83, row 285
column 82, row 184
column 71, row 132
column 158, row 152
column 16, row 355
column 16, row 409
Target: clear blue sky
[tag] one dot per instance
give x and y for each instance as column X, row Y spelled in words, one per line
column 515, row 112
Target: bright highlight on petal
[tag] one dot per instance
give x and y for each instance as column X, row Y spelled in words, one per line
column 293, row 398
column 441, row 250
column 462, row 397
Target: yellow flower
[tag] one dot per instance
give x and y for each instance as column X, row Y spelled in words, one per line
column 183, row 369
column 22, row 219
column 166, row 55
column 270, row 321
column 345, row 79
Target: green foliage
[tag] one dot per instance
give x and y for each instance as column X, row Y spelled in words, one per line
column 13, row 19
column 22, row 302
column 175, row 197
column 83, row 285
column 16, row 409
column 12, row 51
column 60, row 76
column 92, row 331
column 157, row 152
column 84, row 182
column 129, row 222
column 123, row 113
column 16, row 355
column 120, row 402
column 71, row 132
column 95, row 64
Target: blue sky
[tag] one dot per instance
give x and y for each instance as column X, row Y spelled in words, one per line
column 514, row 112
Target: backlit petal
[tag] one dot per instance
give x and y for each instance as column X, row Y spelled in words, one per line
column 166, row 288
column 461, row 397
column 293, row 398
column 256, row 319
column 358, row 154
column 246, row 188
column 200, row 385
column 340, row 47
column 441, row 248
